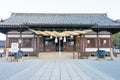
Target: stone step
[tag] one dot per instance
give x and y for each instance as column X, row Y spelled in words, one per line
column 58, row 55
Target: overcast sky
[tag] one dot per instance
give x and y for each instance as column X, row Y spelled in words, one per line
column 111, row 7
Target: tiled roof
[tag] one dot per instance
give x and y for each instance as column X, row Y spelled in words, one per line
column 101, row 33
column 56, row 18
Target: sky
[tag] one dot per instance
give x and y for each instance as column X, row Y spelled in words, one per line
column 110, row 7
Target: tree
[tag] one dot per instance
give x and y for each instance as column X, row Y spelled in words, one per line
column 116, row 40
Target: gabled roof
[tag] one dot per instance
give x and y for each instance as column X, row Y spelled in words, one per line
column 99, row 19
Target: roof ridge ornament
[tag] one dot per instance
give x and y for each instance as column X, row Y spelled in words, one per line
column 1, row 20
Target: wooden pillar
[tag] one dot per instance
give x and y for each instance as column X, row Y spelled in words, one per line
column 38, row 43
column 6, row 43
column 84, row 43
column 34, row 43
column 20, row 44
column 74, row 43
column 41, row 42
column 81, row 43
column 98, row 47
column 110, row 43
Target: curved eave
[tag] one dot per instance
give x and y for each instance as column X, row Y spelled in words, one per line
column 61, row 25
column 116, row 26
column 13, row 26
column 112, row 29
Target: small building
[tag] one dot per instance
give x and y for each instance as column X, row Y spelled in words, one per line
column 2, row 46
column 43, row 32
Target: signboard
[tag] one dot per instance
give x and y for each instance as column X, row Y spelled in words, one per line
column 14, row 47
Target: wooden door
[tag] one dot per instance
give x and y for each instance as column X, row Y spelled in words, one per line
column 79, row 43
column 41, row 44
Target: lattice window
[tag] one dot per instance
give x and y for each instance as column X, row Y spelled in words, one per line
column 12, row 40
column 48, row 41
column 104, row 43
column 91, row 42
column 27, row 43
column 70, row 41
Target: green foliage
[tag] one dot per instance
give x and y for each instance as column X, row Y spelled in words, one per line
column 115, row 36
column 116, row 40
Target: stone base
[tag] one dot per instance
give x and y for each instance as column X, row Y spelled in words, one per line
column 19, row 60
column 101, row 59
column 15, row 60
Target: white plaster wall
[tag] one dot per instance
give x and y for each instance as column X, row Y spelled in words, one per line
column 106, row 36
column 95, row 49
column 91, row 36
column 1, row 50
column 13, row 36
column 16, row 36
column 27, row 49
column 25, row 36
column 23, row 49
column 100, row 36
column 106, row 49
column 90, row 49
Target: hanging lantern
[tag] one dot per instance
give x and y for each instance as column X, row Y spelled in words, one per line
column 104, row 41
column 88, row 41
column 56, row 40
column 71, row 36
column 64, row 39
column 60, row 38
column 51, row 37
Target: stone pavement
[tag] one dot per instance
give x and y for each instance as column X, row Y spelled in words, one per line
column 60, row 69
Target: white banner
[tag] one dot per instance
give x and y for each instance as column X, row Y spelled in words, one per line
column 14, row 47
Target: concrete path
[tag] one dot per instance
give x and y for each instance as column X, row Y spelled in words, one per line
column 60, row 69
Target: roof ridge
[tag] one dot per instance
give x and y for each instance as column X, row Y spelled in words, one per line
column 106, row 16
column 58, row 13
